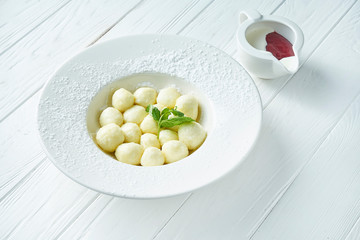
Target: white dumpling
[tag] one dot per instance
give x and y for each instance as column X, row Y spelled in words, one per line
column 131, row 132
column 159, row 106
column 122, row 99
column 174, row 151
column 168, row 96
column 167, row 135
column 110, row 115
column 152, row 157
column 149, row 125
column 109, row 137
column 192, row 134
column 149, row 140
column 188, row 105
column 129, row 153
column 135, row 114
column 145, row 96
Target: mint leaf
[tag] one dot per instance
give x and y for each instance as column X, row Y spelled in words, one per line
column 163, row 120
column 168, row 123
column 176, row 112
column 165, row 113
column 154, row 112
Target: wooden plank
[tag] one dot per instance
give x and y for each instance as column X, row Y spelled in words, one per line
column 33, row 57
column 324, row 200
column 295, row 124
column 18, row 20
column 20, row 151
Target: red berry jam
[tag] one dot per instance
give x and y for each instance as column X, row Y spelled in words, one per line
column 279, row 46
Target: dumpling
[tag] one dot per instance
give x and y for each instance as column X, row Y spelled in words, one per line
column 122, row 99
column 135, row 114
column 149, row 125
column 152, row 156
column 129, row 153
column 168, row 96
column 159, row 106
column 110, row 115
column 174, row 151
column 145, row 96
column 149, row 140
column 109, row 137
column 131, row 132
column 167, row 135
column 192, row 134
column 188, row 105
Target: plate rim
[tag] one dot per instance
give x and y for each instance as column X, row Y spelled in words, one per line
column 154, row 196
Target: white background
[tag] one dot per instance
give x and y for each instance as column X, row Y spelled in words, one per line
column 302, row 180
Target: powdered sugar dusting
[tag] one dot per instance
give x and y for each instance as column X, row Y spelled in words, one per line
column 63, row 108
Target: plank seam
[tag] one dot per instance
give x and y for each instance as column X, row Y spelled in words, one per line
column 17, row 185
column 21, row 170
column 167, row 221
column 196, row 16
column 97, row 215
column 21, row 103
column 113, row 25
column 73, row 220
column 352, row 228
column 178, row 16
column 273, row 11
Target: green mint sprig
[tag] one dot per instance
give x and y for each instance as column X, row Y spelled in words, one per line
column 163, row 120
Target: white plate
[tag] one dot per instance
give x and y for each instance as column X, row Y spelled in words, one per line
column 230, row 104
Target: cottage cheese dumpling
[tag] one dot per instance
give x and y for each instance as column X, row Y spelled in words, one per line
column 152, row 156
column 149, row 125
column 122, row 99
column 167, row 135
column 129, row 153
column 135, row 114
column 159, row 106
column 145, row 96
column 149, row 140
column 110, row 115
column 131, row 132
column 192, row 134
column 109, row 137
column 168, row 96
column 174, row 151
column 188, row 105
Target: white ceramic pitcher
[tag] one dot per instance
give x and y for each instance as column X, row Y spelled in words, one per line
column 262, row 63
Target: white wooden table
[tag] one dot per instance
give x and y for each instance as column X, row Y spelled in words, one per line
column 302, row 180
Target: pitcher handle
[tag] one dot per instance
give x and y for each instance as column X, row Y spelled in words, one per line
column 249, row 14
